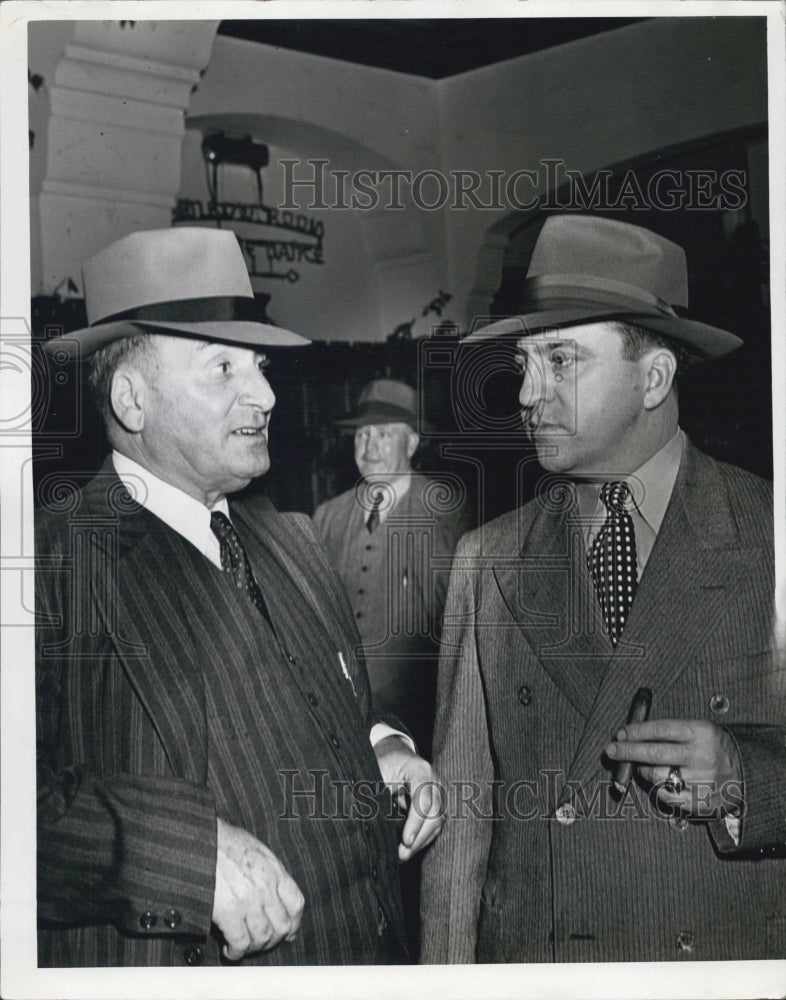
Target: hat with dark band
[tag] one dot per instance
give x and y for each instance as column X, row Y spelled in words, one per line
column 191, row 280
column 587, row 269
column 385, row 401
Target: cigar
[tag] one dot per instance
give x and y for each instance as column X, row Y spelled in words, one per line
column 638, row 712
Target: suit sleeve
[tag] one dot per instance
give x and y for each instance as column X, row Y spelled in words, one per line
column 759, row 729
column 111, row 848
column 319, row 519
column 454, row 868
column 449, row 530
column 762, row 752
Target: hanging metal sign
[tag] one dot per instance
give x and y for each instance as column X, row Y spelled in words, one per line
column 261, row 233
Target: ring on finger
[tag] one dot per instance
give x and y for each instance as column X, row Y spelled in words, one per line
column 674, row 783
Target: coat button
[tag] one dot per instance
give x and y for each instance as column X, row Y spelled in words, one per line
column 291, row 658
column 361, row 590
column 172, row 919
column 374, row 873
column 148, row 920
column 358, row 614
column 565, row 814
column 312, row 699
column 335, row 741
column 193, row 955
column 525, row 694
column 719, row 704
column 685, row 941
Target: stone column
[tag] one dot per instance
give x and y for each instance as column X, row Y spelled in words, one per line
column 113, row 138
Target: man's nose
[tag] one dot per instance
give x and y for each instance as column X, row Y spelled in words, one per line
column 534, row 387
column 258, row 392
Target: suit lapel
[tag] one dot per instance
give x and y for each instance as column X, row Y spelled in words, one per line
column 548, row 592
column 694, row 571
column 278, row 537
column 136, row 582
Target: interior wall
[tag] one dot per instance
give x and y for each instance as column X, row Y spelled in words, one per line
column 592, row 103
column 111, row 153
column 108, row 120
column 381, row 266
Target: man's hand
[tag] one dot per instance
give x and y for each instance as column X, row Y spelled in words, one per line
column 257, row 903
column 705, row 754
column 411, row 777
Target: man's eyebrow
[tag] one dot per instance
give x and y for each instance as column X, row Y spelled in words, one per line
column 205, row 345
column 526, row 347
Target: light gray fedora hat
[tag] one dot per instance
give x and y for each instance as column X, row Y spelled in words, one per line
column 191, row 280
column 586, row 269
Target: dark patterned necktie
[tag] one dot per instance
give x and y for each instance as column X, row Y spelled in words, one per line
column 235, row 561
column 373, row 517
column 612, row 559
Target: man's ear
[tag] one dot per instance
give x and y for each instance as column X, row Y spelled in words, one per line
column 127, row 395
column 660, row 367
column 413, row 440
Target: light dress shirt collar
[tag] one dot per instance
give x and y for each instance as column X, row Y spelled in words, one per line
column 651, row 487
column 181, row 512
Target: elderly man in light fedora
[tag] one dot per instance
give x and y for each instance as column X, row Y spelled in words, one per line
column 610, row 717
column 203, row 719
column 391, row 538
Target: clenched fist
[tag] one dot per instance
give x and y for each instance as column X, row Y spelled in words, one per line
column 257, row 903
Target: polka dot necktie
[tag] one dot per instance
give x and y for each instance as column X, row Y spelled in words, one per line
column 235, row 561
column 612, row 559
column 373, row 517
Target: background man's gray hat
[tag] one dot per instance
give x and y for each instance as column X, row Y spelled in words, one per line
column 191, row 280
column 586, row 269
column 385, row 401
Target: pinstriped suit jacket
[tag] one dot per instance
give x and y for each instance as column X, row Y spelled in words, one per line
column 126, row 817
column 530, row 691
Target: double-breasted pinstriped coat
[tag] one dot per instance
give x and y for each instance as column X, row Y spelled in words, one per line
column 164, row 700
column 531, row 690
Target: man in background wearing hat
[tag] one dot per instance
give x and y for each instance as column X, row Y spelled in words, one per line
column 204, row 723
column 391, row 539
column 641, row 564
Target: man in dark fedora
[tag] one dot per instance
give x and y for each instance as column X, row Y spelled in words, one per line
column 610, row 721
column 391, row 538
column 208, row 790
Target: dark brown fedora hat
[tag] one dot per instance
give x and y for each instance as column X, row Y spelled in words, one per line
column 190, row 281
column 586, row 269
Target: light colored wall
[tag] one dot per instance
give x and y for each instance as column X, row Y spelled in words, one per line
column 106, row 160
column 381, row 267
column 593, row 103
